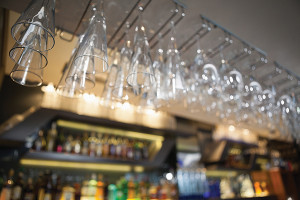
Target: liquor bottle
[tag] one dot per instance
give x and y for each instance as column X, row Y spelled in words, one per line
column 51, row 137
column 143, row 190
column 41, row 186
column 29, row 190
column 17, row 190
column 92, row 186
column 68, row 192
column 84, row 190
column 112, row 192
column 99, row 145
column 48, row 186
column 68, row 144
column 58, row 189
column 131, row 189
column 105, row 149
column 77, row 191
column 38, row 185
column 145, row 150
column 76, row 145
column 124, row 148
column 118, row 147
column 100, row 188
column 85, row 144
column 6, row 192
column 130, row 150
column 112, row 146
column 92, row 144
column 40, row 142
column 137, row 152
column 60, row 141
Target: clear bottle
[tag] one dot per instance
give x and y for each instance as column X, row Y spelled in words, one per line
column 40, row 142
column 85, row 144
column 17, row 190
column 145, row 150
column 137, row 153
column 92, row 144
column 118, row 147
column 51, row 137
column 68, row 192
column 76, row 145
column 112, row 146
column 6, row 192
column 105, row 150
column 68, row 144
column 130, row 150
column 84, row 189
column 99, row 145
column 92, row 186
column 124, row 148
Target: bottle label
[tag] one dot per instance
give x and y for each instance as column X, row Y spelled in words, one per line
column 16, row 193
column 77, row 148
column 68, row 195
column 6, row 194
column 28, row 196
column 47, row 196
column 59, row 148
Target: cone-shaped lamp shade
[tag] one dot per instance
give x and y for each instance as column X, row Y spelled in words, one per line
column 141, row 74
column 94, row 44
column 36, row 25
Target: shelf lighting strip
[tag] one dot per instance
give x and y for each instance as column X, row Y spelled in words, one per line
column 88, row 127
column 81, row 166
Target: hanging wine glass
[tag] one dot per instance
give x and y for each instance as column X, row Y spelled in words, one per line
column 194, row 97
column 232, row 88
column 122, row 91
column 268, row 109
column 160, row 72
column 91, row 56
column 70, row 87
column 36, row 25
column 141, row 74
column 107, row 93
column 175, row 79
column 211, row 89
column 251, row 99
column 286, row 106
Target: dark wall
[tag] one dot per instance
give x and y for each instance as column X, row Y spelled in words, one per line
column 15, row 98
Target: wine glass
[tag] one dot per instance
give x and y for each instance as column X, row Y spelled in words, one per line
column 175, row 78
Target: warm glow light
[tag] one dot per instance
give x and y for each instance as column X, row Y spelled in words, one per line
column 49, row 88
column 85, row 166
column 88, row 127
column 231, row 128
column 246, row 132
